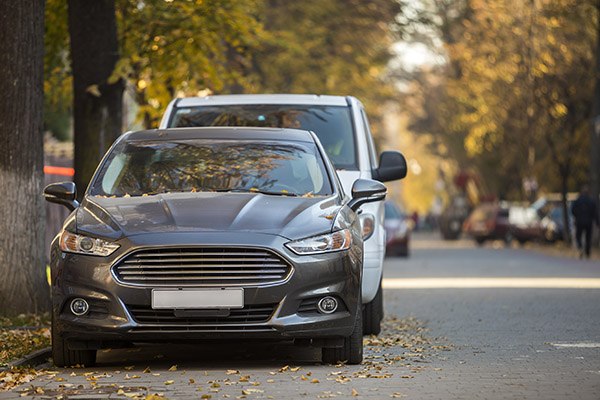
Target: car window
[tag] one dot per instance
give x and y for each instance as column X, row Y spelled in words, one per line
column 331, row 124
column 483, row 214
column 141, row 168
column 391, row 212
column 369, row 138
column 503, row 213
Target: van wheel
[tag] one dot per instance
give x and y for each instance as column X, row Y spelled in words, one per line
column 373, row 314
column 352, row 350
column 62, row 356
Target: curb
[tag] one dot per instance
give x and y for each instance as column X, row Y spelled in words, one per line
column 31, row 360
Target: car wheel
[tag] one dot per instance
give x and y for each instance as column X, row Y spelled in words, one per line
column 373, row 314
column 480, row 241
column 508, row 239
column 404, row 252
column 62, row 356
column 352, row 350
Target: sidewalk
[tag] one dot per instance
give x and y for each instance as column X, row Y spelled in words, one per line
column 429, row 239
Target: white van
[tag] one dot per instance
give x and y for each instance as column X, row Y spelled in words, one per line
column 342, row 127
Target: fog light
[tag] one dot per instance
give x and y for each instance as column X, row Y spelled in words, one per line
column 327, row 305
column 79, row 307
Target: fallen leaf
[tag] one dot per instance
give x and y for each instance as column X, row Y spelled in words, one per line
column 173, row 368
column 354, row 392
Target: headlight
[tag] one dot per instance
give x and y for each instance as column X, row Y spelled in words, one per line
column 367, row 223
column 336, row 241
column 72, row 243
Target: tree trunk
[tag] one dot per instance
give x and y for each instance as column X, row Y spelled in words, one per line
column 97, row 104
column 595, row 123
column 23, row 287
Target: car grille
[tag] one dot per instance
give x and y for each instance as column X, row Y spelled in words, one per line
column 202, row 266
column 251, row 314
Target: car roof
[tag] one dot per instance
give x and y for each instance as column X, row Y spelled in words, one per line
column 225, row 132
column 291, row 99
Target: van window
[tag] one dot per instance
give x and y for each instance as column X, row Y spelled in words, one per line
column 371, row 146
column 331, row 124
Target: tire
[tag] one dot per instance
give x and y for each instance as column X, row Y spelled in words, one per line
column 373, row 314
column 508, row 238
column 352, row 350
column 62, row 356
column 479, row 241
column 404, row 252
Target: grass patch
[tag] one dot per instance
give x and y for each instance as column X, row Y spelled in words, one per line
column 21, row 335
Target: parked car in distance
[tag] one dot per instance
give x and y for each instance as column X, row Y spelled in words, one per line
column 210, row 233
column 341, row 124
column 397, row 231
column 488, row 221
column 525, row 224
column 553, row 224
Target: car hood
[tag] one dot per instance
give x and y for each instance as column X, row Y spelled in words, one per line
column 290, row 217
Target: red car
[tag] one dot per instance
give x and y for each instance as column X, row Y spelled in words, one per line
column 488, row 222
column 397, row 231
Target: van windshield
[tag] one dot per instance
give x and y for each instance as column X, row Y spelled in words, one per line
column 331, row 124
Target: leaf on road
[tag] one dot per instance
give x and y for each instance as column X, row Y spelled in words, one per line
column 173, row 368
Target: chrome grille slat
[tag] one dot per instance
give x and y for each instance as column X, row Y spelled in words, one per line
column 254, row 254
column 206, row 271
column 198, row 259
column 176, row 266
column 206, row 278
column 193, row 266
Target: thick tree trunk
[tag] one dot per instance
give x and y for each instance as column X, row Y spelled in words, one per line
column 23, row 287
column 595, row 125
column 97, row 104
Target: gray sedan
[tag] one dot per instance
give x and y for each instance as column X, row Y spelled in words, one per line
column 194, row 234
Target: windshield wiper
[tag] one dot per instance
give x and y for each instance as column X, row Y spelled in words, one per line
column 261, row 191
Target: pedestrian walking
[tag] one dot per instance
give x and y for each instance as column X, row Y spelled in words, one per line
column 585, row 212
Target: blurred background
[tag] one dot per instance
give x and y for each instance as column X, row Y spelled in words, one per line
column 492, row 102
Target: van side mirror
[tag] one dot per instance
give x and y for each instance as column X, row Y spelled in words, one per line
column 63, row 193
column 366, row 191
column 392, row 166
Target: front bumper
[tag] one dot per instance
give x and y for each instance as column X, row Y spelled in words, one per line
column 114, row 315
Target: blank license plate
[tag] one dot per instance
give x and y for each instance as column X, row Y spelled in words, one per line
column 198, row 298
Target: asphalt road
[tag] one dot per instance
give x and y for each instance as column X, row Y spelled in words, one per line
column 463, row 323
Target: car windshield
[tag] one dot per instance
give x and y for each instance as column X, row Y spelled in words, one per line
column 141, row 168
column 331, row 124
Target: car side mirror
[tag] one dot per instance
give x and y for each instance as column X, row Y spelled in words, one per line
column 366, row 191
column 64, row 193
column 392, row 166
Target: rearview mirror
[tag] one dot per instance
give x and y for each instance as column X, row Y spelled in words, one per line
column 392, row 166
column 63, row 193
column 366, row 191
